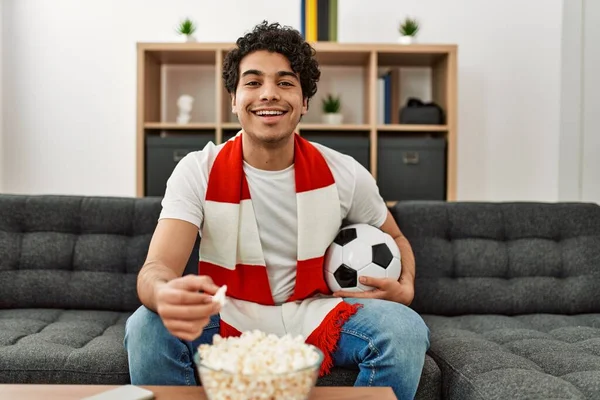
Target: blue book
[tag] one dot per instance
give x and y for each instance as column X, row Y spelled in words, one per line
column 303, row 18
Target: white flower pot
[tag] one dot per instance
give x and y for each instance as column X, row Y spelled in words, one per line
column 188, row 38
column 406, row 39
column 333, row 119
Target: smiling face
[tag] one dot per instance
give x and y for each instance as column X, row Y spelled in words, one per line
column 268, row 99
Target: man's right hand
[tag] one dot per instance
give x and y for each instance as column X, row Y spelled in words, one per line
column 183, row 309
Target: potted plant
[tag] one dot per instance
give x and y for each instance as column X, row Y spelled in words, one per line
column 408, row 30
column 331, row 110
column 186, row 28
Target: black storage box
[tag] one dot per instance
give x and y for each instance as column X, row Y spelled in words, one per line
column 417, row 112
column 353, row 144
column 164, row 152
column 411, row 168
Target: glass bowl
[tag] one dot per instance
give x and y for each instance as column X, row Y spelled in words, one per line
column 292, row 385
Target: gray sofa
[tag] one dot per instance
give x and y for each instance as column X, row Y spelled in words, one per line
column 510, row 292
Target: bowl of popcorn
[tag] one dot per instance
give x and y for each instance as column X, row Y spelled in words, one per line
column 258, row 366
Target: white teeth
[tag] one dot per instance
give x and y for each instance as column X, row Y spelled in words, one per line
column 269, row 113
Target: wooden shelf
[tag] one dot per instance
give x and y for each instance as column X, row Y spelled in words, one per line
column 325, row 127
column 366, row 61
column 312, row 127
column 182, row 127
column 412, row 128
column 231, row 125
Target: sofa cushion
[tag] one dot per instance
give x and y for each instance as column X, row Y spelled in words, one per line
column 72, row 251
column 430, row 385
column 518, row 357
column 503, row 258
column 58, row 346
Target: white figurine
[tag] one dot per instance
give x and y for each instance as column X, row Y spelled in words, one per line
column 184, row 103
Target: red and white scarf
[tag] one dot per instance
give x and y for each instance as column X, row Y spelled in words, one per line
column 231, row 252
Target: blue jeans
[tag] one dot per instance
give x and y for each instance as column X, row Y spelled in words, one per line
column 386, row 341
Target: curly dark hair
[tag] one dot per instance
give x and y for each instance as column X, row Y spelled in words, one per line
column 277, row 39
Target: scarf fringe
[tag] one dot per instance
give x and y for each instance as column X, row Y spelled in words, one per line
column 327, row 335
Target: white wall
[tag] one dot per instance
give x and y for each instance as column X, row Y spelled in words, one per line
column 509, row 81
column 70, row 125
column 590, row 171
column 579, row 174
column 1, row 106
column 570, row 152
column 73, row 82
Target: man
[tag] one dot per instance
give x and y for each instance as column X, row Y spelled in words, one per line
column 267, row 204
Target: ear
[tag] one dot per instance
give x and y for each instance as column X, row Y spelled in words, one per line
column 304, row 106
column 233, row 104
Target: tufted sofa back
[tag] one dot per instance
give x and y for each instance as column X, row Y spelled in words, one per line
column 504, row 258
column 73, row 252
column 510, row 258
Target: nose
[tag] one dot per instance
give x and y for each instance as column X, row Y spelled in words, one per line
column 269, row 92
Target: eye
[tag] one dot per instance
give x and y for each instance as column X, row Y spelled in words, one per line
column 252, row 83
column 286, row 83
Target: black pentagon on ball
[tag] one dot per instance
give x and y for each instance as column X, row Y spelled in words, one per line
column 345, row 236
column 382, row 255
column 345, row 276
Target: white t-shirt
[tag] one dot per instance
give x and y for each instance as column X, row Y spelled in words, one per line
column 273, row 196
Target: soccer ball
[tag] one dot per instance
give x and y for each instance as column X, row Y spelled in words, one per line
column 360, row 250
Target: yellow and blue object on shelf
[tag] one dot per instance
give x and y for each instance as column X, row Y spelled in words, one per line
column 318, row 20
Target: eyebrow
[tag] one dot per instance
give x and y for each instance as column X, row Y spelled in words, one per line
column 260, row 73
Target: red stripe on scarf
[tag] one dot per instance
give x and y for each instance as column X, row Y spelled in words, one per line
column 223, row 173
column 310, row 279
column 308, row 159
column 247, row 282
column 327, row 335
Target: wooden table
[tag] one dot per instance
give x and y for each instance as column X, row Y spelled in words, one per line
column 67, row 392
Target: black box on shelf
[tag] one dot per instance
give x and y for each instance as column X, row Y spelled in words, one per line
column 163, row 152
column 353, row 144
column 417, row 112
column 411, row 168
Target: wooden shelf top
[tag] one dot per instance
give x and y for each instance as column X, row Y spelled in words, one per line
column 319, row 46
column 412, row 128
column 313, row 127
column 328, row 53
column 231, row 125
column 326, row 127
column 176, row 126
column 302, row 127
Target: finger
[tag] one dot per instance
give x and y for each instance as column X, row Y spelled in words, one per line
column 372, row 294
column 378, row 283
column 174, row 325
column 184, row 297
column 191, row 327
column 195, row 283
column 188, row 312
column 186, row 335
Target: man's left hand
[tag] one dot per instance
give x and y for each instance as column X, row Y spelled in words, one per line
column 402, row 291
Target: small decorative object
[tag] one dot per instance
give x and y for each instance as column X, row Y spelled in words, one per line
column 186, row 28
column 408, row 31
column 184, row 103
column 331, row 110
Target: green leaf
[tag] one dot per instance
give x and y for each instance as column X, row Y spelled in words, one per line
column 409, row 27
column 186, row 27
column 331, row 104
